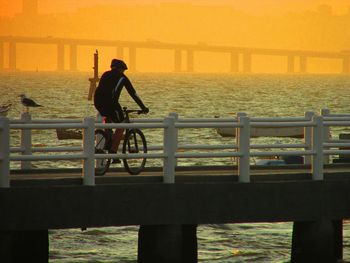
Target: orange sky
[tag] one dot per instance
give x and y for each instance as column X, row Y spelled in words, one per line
column 10, row 7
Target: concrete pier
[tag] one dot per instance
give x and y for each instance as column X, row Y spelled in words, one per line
column 167, row 244
column 303, row 64
column 190, row 60
column 247, row 62
column 234, row 62
column 120, row 53
column 290, row 64
column 12, row 56
column 169, row 213
column 132, row 59
column 24, row 246
column 177, row 60
column 73, row 57
column 60, row 57
column 346, row 65
column 315, row 241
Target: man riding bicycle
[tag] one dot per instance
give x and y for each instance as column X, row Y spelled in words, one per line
column 106, row 98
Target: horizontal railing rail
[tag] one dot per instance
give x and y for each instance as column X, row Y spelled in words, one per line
column 316, row 148
column 32, row 126
column 48, row 157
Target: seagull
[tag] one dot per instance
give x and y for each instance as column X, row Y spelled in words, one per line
column 27, row 102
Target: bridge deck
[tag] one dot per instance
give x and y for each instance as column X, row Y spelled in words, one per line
column 183, row 174
column 60, row 200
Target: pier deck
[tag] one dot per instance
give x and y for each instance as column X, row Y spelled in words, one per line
column 60, row 200
column 182, row 174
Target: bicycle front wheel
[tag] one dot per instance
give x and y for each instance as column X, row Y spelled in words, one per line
column 102, row 142
column 134, row 142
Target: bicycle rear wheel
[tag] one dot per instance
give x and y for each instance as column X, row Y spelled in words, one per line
column 134, row 142
column 102, row 144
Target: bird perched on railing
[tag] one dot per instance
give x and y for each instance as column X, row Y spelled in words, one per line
column 27, row 102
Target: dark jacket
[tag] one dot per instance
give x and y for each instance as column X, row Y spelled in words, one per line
column 111, row 84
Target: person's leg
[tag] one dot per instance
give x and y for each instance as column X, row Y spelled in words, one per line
column 116, row 116
column 117, row 137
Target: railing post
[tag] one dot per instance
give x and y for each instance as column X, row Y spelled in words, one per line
column 308, row 136
column 243, row 142
column 326, row 133
column 26, row 140
column 98, row 162
column 317, row 147
column 176, row 118
column 170, row 145
column 4, row 152
column 238, row 115
column 89, row 152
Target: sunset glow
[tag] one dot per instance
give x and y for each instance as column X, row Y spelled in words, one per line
column 10, row 8
column 317, row 25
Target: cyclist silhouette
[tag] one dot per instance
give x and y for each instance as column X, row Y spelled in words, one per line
column 106, row 97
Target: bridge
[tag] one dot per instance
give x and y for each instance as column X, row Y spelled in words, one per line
column 241, row 58
column 168, row 202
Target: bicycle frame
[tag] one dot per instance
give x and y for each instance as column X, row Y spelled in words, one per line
column 126, row 113
column 133, row 137
column 134, row 142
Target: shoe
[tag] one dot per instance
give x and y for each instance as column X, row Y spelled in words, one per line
column 116, row 161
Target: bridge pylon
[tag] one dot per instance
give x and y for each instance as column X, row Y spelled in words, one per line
column 346, row 65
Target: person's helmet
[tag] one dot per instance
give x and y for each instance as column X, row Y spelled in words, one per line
column 117, row 63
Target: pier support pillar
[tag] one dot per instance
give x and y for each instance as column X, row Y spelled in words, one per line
column 60, row 57
column 1, row 56
column 120, row 53
column 167, row 244
column 12, row 56
column 290, row 64
column 132, row 59
column 24, row 246
column 346, row 65
column 73, row 58
column 177, row 60
column 234, row 62
column 247, row 62
column 338, row 238
column 303, row 64
column 317, row 241
column 190, row 61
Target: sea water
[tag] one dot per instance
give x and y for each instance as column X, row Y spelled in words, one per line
column 64, row 95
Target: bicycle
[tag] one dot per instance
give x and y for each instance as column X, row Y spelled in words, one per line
column 134, row 142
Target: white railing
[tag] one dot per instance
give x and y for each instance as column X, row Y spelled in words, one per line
column 316, row 148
